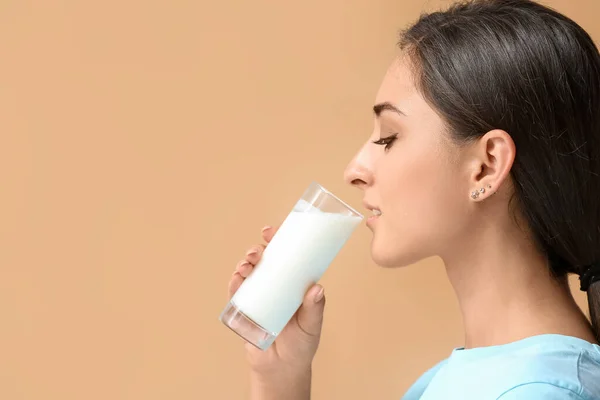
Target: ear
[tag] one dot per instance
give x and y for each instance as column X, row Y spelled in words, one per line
column 492, row 158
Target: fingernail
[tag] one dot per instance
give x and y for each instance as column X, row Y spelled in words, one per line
column 244, row 264
column 320, row 294
column 251, row 252
column 266, row 228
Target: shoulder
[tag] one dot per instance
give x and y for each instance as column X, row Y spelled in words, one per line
column 553, row 372
column 549, row 367
column 418, row 388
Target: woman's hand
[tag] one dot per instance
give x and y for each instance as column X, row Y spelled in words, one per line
column 289, row 358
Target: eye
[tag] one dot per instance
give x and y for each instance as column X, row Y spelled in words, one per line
column 386, row 141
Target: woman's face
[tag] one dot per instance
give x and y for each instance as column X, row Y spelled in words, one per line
column 419, row 182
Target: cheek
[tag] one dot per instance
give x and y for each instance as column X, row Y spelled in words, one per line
column 419, row 201
column 411, row 186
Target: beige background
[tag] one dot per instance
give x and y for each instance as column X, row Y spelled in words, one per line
column 144, row 144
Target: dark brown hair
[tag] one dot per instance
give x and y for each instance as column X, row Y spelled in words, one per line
column 522, row 67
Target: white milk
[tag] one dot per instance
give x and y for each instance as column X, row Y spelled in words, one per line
column 300, row 252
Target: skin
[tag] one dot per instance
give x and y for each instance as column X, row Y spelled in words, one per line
column 422, row 184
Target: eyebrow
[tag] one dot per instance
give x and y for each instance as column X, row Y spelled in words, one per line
column 386, row 106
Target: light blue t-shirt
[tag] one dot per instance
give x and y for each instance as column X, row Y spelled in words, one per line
column 545, row 367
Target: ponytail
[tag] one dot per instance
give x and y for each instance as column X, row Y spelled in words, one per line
column 590, row 283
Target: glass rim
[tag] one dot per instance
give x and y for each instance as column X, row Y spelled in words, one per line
column 349, row 207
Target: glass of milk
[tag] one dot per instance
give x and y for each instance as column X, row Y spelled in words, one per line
column 295, row 259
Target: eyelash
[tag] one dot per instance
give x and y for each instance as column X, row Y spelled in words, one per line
column 387, row 141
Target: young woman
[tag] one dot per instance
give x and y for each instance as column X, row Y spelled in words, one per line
column 486, row 152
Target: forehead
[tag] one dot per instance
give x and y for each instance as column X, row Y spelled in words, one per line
column 398, row 85
column 398, row 88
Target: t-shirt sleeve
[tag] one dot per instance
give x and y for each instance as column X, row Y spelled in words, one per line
column 417, row 389
column 540, row 391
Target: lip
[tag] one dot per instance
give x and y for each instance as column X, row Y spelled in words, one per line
column 368, row 206
column 372, row 219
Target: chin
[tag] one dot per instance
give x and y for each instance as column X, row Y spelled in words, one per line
column 392, row 257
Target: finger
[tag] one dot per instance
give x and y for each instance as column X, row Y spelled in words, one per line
column 310, row 313
column 234, row 283
column 268, row 232
column 254, row 254
column 244, row 268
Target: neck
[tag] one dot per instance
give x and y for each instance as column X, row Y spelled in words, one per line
column 506, row 291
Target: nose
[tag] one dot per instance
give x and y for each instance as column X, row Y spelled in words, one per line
column 359, row 173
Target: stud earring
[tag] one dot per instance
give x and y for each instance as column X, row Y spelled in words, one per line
column 482, row 190
column 474, row 195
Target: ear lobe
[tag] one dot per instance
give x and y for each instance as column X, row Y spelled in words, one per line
column 495, row 152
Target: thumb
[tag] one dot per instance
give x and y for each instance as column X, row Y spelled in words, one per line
column 310, row 314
